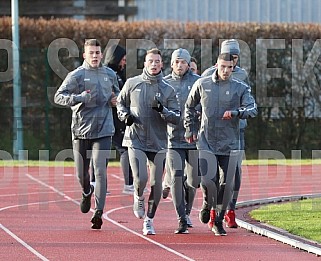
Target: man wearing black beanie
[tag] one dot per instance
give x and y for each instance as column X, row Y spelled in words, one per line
column 115, row 58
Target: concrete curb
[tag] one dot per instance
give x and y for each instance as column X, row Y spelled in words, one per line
column 274, row 235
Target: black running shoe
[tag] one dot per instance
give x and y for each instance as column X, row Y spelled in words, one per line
column 218, row 229
column 85, row 203
column 165, row 192
column 182, row 227
column 204, row 215
column 97, row 220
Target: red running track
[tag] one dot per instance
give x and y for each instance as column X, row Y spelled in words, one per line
column 40, row 219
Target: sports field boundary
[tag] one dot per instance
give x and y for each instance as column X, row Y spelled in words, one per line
column 285, row 237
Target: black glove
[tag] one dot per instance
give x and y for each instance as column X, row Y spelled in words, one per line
column 129, row 120
column 157, row 105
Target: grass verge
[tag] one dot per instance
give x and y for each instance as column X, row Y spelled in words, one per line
column 290, row 162
column 301, row 218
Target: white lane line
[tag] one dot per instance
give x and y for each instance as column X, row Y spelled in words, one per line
column 53, row 188
column 18, row 239
column 117, row 177
column 32, row 250
column 32, row 193
column 111, row 220
column 105, row 215
column 23, row 243
column 30, row 204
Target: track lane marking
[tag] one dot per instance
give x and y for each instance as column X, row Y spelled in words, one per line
column 23, row 243
column 111, row 220
column 105, row 215
column 18, row 239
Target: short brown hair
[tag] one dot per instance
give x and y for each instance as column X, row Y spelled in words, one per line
column 154, row 51
column 225, row 57
column 92, row 42
column 193, row 59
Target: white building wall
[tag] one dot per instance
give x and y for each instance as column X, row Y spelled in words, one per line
column 306, row 11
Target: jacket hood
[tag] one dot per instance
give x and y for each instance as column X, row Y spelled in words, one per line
column 113, row 55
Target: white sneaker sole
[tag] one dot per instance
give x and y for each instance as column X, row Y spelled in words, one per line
column 139, row 215
column 128, row 192
column 148, row 233
column 177, row 232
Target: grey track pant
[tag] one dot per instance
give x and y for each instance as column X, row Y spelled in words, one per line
column 213, row 194
column 99, row 151
column 183, row 167
column 138, row 161
column 238, row 175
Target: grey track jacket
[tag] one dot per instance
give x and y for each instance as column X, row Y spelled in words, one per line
column 149, row 130
column 93, row 119
column 182, row 85
column 217, row 96
column 238, row 74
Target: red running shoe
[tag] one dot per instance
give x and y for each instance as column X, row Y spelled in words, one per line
column 229, row 219
column 212, row 219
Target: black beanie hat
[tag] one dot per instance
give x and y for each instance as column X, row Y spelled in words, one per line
column 113, row 55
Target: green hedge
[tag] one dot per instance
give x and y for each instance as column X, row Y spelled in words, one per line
column 279, row 126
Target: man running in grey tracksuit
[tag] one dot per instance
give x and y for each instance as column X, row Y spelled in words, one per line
column 147, row 103
column 224, row 101
column 232, row 47
column 182, row 156
column 90, row 91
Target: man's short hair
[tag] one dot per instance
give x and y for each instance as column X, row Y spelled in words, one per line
column 92, row 42
column 225, row 57
column 193, row 59
column 154, row 51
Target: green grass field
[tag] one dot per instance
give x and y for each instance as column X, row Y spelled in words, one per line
column 301, row 218
column 290, row 162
